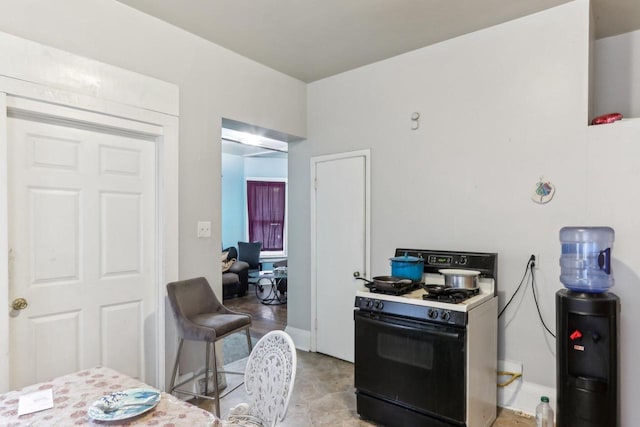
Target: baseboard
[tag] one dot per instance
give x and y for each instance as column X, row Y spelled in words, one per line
column 522, row 396
column 300, row 337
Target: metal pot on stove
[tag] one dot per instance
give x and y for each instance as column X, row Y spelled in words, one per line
column 462, row 279
column 407, row 267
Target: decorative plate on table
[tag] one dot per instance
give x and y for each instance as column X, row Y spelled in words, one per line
column 124, row 404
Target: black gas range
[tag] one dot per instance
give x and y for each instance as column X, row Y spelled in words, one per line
column 421, row 358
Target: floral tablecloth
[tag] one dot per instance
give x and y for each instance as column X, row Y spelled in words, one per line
column 74, row 393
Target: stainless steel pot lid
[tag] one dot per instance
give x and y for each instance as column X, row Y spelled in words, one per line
column 459, row 272
column 407, row 258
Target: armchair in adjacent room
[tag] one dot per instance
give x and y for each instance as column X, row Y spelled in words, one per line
column 235, row 274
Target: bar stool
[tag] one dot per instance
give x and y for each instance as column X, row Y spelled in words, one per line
column 200, row 316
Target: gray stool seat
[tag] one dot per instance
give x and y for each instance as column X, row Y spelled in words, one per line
column 221, row 324
column 200, row 316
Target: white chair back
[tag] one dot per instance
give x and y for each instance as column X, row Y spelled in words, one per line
column 268, row 381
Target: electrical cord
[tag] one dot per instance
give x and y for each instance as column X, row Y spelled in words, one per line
column 529, row 268
column 535, row 298
column 514, row 376
column 526, row 270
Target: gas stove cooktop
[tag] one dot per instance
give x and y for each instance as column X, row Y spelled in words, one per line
column 432, row 292
column 450, row 295
column 415, row 297
column 394, row 290
column 486, row 263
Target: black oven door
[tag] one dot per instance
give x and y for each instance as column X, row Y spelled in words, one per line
column 415, row 364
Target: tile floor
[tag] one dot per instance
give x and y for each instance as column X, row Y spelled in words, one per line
column 324, row 396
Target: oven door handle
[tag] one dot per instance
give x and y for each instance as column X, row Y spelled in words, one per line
column 412, row 326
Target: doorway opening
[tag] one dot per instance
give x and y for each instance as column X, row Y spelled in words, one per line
column 254, row 177
column 251, row 154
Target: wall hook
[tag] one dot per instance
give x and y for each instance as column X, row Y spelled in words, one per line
column 543, row 192
column 415, row 117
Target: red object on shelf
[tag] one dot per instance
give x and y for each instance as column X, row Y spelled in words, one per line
column 606, row 118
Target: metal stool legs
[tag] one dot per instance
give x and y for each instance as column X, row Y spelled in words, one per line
column 214, row 372
column 175, row 367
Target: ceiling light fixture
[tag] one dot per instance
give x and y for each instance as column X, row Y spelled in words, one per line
column 254, row 140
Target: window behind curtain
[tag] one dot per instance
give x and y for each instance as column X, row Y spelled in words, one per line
column 266, row 204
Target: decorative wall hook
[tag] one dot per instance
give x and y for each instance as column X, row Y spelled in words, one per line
column 544, row 191
column 415, row 117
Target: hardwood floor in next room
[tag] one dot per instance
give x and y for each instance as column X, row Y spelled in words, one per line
column 265, row 318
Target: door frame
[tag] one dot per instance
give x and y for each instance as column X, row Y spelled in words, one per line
column 367, row 245
column 98, row 94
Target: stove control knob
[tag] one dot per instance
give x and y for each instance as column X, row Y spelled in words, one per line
column 432, row 313
column 445, row 315
column 463, row 260
column 379, row 305
column 369, row 303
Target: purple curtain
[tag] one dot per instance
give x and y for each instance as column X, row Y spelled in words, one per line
column 266, row 205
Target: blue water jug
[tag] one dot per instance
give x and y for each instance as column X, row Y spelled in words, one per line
column 585, row 264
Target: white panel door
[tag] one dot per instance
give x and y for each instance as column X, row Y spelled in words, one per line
column 341, row 239
column 82, row 221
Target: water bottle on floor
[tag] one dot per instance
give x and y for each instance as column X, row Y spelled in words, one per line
column 544, row 413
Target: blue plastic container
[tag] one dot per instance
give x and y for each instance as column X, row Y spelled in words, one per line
column 585, row 263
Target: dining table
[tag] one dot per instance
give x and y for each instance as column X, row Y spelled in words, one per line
column 75, row 396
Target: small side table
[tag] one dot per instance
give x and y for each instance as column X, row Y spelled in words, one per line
column 268, row 284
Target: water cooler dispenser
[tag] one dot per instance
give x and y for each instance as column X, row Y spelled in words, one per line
column 587, row 322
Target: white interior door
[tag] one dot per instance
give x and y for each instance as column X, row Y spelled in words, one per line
column 82, row 227
column 341, row 236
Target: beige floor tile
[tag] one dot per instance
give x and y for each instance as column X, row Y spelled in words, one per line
column 324, row 396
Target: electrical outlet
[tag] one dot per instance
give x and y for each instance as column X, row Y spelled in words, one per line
column 204, row 229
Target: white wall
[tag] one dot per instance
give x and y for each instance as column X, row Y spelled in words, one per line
column 233, row 200
column 499, row 108
column 213, row 83
column 617, row 61
column 613, row 198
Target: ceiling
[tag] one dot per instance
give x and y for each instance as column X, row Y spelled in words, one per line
column 244, row 150
column 311, row 40
column 240, row 139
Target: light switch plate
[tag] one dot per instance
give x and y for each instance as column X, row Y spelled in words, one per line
column 204, row 229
